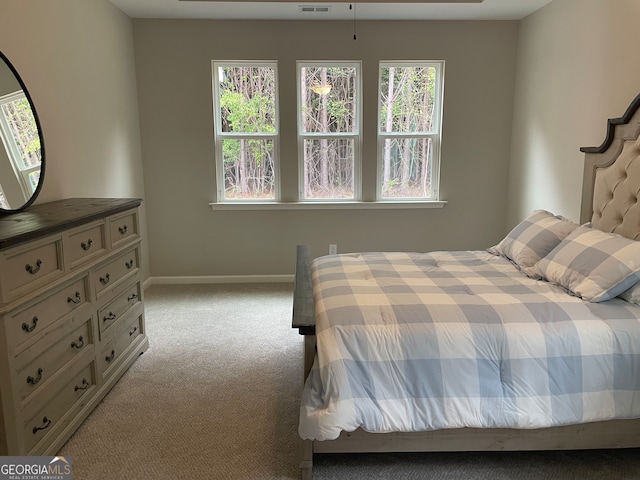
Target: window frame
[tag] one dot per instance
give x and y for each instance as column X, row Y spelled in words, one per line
column 435, row 135
column 21, row 171
column 355, row 136
column 219, row 136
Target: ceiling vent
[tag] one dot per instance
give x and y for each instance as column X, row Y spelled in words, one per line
column 314, row 8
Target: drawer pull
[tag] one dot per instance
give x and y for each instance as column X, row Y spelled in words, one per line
column 104, row 280
column 33, row 270
column 110, row 316
column 30, row 328
column 129, row 264
column 122, row 229
column 110, row 358
column 84, row 385
column 32, row 381
column 77, row 299
column 133, row 296
column 79, row 344
column 135, row 329
column 86, row 245
column 46, row 422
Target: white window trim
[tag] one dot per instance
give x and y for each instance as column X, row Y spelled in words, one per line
column 357, row 136
column 218, row 135
column 13, row 151
column 436, row 135
column 328, row 205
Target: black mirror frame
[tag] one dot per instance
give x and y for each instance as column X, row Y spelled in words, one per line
column 40, row 135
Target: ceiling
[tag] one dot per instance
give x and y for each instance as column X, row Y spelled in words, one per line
column 338, row 10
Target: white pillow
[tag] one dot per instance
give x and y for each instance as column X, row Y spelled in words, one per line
column 592, row 264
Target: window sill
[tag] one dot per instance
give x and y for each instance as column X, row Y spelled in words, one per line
column 382, row 205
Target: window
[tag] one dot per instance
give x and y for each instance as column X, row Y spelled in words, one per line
column 246, row 130
column 409, row 130
column 3, row 199
column 329, row 130
column 19, row 134
column 329, row 135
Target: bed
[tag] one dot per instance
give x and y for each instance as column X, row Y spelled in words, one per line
column 533, row 344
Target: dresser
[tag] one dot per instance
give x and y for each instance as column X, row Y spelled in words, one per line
column 71, row 304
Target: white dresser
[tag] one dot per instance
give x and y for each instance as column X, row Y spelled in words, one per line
column 71, row 305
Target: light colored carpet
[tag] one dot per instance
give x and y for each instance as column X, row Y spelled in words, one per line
column 216, row 397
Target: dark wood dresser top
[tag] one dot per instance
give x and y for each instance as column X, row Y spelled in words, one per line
column 49, row 218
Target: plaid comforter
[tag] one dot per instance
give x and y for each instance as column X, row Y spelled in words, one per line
column 414, row 342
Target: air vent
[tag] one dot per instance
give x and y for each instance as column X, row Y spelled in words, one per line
column 314, row 8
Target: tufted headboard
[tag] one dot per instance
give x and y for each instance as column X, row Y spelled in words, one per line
column 611, row 185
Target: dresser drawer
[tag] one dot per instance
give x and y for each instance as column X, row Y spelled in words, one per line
column 112, row 273
column 123, row 228
column 49, row 418
column 118, row 307
column 113, row 354
column 27, row 268
column 39, row 370
column 28, row 325
column 84, row 244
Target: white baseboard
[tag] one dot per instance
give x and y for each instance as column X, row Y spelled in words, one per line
column 177, row 280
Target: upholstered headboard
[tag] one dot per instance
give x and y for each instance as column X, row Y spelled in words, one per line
column 611, row 185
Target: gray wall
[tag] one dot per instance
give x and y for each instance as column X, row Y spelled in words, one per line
column 76, row 59
column 577, row 67
column 173, row 67
column 78, row 64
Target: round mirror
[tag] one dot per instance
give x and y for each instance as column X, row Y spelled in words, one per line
column 21, row 142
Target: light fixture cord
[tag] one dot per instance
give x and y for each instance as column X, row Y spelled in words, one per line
column 352, row 6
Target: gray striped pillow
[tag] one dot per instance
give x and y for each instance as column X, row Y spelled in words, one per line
column 533, row 238
column 592, row 264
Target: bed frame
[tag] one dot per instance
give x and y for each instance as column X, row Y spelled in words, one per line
column 610, row 199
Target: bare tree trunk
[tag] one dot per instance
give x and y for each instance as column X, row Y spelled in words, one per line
column 324, row 164
column 304, row 92
column 244, row 186
column 405, row 172
column 425, row 170
column 259, row 175
column 324, row 144
column 235, row 179
column 386, row 174
column 426, row 144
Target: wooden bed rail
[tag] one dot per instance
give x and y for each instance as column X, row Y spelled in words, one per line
column 304, row 319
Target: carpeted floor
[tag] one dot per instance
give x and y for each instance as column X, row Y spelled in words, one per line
column 216, row 397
